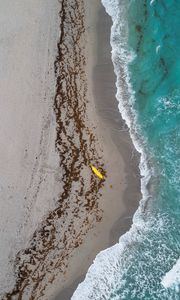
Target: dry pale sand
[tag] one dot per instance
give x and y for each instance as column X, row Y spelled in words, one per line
column 121, row 192
column 28, row 161
column 53, row 207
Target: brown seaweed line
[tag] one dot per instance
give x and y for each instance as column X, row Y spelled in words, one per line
column 48, row 250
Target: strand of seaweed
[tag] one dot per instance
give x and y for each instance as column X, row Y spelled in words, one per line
column 64, row 228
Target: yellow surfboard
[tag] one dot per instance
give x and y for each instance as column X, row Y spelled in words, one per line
column 98, row 173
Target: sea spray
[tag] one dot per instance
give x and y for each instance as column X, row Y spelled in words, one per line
column 145, row 52
column 172, row 278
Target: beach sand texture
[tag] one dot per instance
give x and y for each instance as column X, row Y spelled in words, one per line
column 28, row 161
column 57, row 215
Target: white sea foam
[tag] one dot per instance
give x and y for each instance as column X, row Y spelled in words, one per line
column 172, row 278
column 105, row 274
column 158, row 49
column 152, row 2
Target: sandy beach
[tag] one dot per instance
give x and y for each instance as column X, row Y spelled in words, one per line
column 28, row 161
column 62, row 215
column 121, row 191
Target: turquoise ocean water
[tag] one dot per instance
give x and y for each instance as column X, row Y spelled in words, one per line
column 145, row 263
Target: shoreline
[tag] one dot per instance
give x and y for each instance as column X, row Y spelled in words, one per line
column 110, row 115
column 101, row 80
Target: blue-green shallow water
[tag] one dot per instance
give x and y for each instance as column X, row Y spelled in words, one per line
column 145, row 40
column 154, row 36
